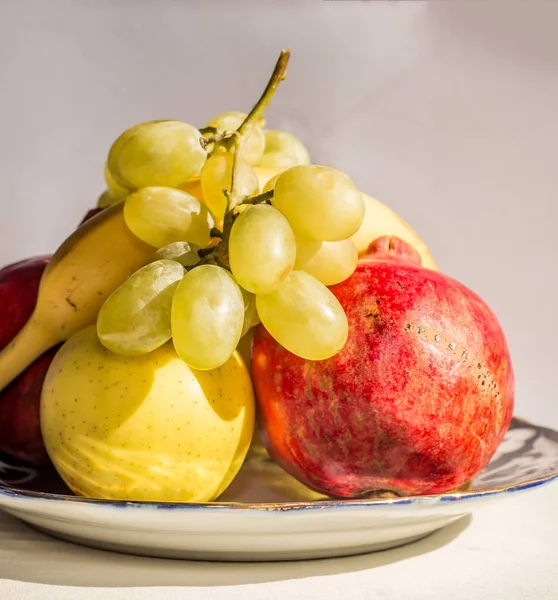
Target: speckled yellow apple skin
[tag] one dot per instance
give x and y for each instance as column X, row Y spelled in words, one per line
column 146, row 428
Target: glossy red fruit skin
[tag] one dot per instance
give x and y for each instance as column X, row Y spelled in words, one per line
column 19, row 285
column 417, row 401
column 20, row 433
column 20, row 427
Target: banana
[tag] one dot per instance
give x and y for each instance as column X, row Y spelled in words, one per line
column 83, row 272
column 380, row 220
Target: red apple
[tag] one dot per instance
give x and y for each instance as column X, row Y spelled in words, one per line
column 20, row 428
column 20, row 433
column 416, row 402
column 19, row 285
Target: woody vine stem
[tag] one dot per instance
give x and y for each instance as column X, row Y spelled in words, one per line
column 219, row 254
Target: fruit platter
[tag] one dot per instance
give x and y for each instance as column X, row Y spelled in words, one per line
column 239, row 355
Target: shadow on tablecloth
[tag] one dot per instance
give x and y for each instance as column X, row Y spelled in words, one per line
column 30, row 556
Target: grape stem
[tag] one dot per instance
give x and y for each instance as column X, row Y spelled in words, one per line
column 212, row 130
column 221, row 263
column 278, row 75
column 206, row 252
column 260, row 199
column 219, row 253
column 255, row 115
column 217, row 136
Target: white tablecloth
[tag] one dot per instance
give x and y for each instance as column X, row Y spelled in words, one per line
column 507, row 550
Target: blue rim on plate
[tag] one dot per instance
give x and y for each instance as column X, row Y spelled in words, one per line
column 526, row 459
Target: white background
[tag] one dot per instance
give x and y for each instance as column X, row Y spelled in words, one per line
column 446, row 110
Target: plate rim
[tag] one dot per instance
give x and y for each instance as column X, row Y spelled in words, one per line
column 284, row 507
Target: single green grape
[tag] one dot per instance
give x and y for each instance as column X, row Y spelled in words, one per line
column 253, row 142
column 115, row 190
column 278, row 160
column 231, row 120
column 216, row 176
column 114, row 152
column 304, row 317
column 251, row 317
column 207, row 317
column 182, row 252
column 114, row 193
column 164, row 153
column 262, row 249
column 136, row 318
column 270, row 184
column 286, row 143
column 328, row 262
column 160, row 216
column 321, row 203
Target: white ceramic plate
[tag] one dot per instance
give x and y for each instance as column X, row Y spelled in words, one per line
column 266, row 515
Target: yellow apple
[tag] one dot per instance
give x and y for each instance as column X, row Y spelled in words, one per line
column 144, row 428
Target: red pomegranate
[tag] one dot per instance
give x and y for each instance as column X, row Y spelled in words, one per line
column 417, row 401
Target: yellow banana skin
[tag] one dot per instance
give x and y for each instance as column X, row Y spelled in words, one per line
column 83, row 272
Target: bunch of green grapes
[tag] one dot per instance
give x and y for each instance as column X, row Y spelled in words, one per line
column 288, row 252
column 273, row 266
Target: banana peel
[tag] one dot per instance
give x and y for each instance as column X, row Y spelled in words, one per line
column 84, row 271
column 380, row 220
